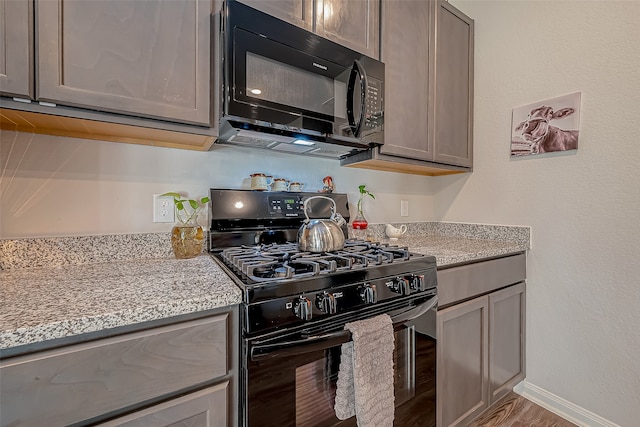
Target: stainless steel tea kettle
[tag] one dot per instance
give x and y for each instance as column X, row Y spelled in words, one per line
column 321, row 235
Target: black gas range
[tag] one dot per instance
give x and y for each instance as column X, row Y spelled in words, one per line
column 296, row 305
column 253, row 236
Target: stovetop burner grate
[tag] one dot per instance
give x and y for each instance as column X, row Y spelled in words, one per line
column 274, row 262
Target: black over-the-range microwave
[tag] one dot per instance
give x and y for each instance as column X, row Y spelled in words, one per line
column 289, row 89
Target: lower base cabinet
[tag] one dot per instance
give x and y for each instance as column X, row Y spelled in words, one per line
column 506, row 340
column 206, row 408
column 463, row 362
column 179, row 374
column 481, row 341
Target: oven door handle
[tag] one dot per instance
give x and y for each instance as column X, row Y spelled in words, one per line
column 415, row 312
column 301, row 346
column 321, row 342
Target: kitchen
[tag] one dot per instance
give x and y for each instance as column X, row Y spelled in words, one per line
column 582, row 207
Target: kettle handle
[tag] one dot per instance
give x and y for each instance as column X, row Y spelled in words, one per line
column 333, row 208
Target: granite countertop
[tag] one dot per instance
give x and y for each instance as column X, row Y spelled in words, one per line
column 450, row 251
column 57, row 288
column 46, row 303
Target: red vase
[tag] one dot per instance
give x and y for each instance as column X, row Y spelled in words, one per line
column 359, row 222
column 359, row 225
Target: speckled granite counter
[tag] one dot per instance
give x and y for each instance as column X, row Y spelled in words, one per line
column 457, row 243
column 450, row 251
column 46, row 303
column 53, row 288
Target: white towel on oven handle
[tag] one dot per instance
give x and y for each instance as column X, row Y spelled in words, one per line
column 365, row 379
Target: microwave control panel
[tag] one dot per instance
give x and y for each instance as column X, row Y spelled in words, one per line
column 374, row 104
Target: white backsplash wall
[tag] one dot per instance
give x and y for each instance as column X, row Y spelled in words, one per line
column 55, row 186
column 583, row 206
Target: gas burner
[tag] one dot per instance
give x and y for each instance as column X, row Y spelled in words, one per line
column 277, row 262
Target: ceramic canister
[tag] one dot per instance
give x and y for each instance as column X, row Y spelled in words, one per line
column 260, row 181
column 279, row 184
column 296, row 186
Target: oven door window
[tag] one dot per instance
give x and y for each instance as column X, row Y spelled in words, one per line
column 300, row 390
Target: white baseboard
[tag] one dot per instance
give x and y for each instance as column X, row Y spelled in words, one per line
column 561, row 407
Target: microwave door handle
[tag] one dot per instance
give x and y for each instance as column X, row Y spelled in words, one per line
column 302, row 346
column 357, row 70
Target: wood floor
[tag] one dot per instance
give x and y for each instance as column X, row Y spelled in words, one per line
column 515, row 411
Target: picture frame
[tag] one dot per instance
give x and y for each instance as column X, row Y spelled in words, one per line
column 546, row 126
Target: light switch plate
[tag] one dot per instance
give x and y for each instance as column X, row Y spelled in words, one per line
column 404, row 208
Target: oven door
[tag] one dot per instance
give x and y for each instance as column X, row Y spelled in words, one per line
column 290, row 380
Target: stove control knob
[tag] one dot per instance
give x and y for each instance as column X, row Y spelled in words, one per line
column 417, row 282
column 369, row 294
column 303, row 308
column 401, row 286
column 326, row 302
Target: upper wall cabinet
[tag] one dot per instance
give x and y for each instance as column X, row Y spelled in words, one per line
column 453, row 131
column 146, row 58
column 117, row 70
column 16, row 48
column 408, row 57
column 355, row 24
column 428, row 90
column 296, row 12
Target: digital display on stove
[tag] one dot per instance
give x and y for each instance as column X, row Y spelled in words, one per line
column 290, row 206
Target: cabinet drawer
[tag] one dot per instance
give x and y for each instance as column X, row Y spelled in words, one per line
column 75, row 383
column 205, row 408
column 466, row 281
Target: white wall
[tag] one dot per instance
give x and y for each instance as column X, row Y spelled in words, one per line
column 54, row 186
column 583, row 295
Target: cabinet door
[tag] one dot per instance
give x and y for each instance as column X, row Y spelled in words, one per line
column 506, row 340
column 462, row 362
column 296, row 12
column 206, row 408
column 407, row 51
column 453, row 139
column 143, row 58
column 355, row 24
column 70, row 384
column 16, row 48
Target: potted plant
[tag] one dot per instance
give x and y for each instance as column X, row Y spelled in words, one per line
column 360, row 222
column 187, row 236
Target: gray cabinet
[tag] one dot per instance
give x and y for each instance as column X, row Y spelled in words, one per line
column 428, row 90
column 408, row 87
column 205, row 408
column 354, row 24
column 16, row 48
column 126, row 71
column 506, row 343
column 144, row 58
column 453, row 122
column 462, row 362
column 296, row 12
column 192, row 361
column 481, row 337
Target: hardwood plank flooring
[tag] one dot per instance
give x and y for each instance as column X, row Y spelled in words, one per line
column 514, row 410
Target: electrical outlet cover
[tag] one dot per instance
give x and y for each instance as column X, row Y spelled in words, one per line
column 163, row 209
